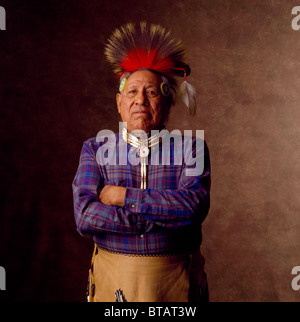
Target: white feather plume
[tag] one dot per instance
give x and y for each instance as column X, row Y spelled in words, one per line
column 188, row 95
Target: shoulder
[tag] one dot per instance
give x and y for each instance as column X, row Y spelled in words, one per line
column 102, row 137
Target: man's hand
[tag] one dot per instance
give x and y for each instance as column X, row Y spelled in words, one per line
column 113, row 195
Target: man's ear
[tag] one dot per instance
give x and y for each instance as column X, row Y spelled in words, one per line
column 118, row 100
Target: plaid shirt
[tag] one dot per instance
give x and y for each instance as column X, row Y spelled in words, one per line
column 165, row 218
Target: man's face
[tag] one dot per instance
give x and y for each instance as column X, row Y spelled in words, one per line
column 141, row 104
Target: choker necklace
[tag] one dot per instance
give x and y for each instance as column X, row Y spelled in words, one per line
column 143, row 146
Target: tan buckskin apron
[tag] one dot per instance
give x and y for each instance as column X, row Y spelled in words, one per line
column 145, row 278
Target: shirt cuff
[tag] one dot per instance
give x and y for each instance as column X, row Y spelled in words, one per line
column 133, row 199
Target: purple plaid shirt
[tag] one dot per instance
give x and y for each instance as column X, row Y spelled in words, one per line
column 165, row 218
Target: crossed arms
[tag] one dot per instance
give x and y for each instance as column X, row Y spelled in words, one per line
column 101, row 207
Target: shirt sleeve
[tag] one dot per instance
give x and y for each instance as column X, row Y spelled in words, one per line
column 187, row 204
column 92, row 216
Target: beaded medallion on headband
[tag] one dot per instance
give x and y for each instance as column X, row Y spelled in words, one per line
column 122, row 84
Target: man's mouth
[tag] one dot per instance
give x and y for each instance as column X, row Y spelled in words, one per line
column 140, row 112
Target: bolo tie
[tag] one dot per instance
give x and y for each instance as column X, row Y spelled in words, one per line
column 143, row 146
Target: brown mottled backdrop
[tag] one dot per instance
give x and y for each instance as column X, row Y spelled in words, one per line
column 56, row 90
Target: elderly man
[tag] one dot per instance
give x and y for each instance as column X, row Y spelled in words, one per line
column 145, row 219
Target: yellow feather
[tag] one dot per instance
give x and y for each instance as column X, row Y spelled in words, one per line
column 143, row 25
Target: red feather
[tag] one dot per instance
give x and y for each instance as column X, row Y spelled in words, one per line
column 141, row 58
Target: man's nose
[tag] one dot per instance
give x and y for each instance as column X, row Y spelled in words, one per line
column 140, row 98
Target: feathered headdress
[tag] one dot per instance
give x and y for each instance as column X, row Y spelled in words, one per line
column 149, row 46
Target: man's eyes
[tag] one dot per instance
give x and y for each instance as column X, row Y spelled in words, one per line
column 149, row 92
column 152, row 93
column 132, row 91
